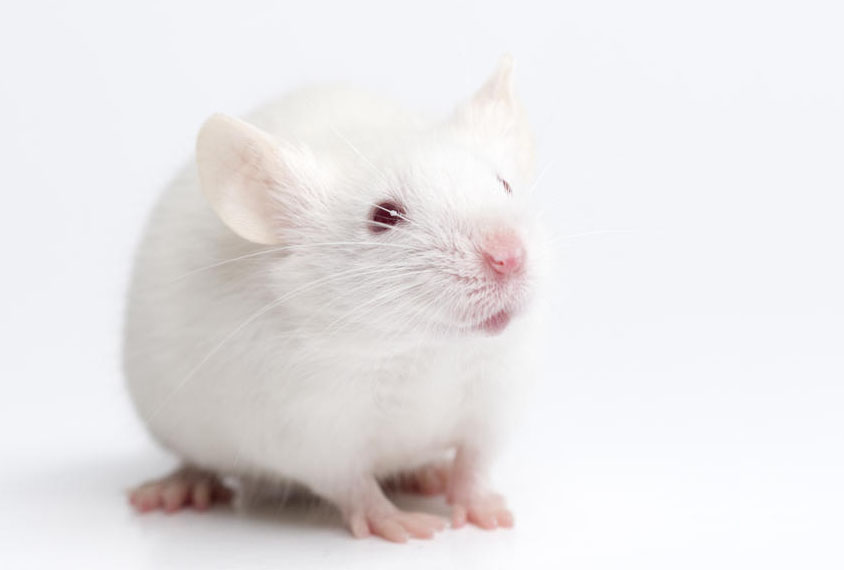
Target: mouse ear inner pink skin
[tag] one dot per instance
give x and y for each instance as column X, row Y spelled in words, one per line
column 494, row 116
column 252, row 182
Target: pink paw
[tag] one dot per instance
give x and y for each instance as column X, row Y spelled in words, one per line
column 395, row 525
column 185, row 487
column 487, row 511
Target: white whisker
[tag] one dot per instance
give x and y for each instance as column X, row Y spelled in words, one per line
column 359, row 153
column 289, row 248
column 254, row 316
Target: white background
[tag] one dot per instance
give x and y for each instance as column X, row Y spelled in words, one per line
column 690, row 410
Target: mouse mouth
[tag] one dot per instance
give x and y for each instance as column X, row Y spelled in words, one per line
column 493, row 320
column 496, row 323
column 490, row 302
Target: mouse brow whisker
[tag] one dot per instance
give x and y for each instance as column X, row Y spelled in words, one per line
column 360, row 155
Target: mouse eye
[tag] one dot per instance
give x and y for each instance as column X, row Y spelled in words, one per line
column 506, row 185
column 384, row 215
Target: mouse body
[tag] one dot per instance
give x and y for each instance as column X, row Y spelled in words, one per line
column 337, row 294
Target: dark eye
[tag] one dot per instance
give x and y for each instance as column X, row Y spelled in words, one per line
column 384, row 215
column 506, row 185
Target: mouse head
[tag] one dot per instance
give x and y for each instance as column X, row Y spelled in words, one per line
column 413, row 231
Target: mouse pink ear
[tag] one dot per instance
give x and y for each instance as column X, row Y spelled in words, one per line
column 253, row 183
column 499, row 86
column 494, row 115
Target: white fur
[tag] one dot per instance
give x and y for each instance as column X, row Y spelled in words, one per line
column 344, row 353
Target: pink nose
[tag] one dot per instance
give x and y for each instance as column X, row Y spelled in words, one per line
column 503, row 252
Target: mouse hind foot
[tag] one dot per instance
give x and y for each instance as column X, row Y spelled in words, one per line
column 185, row 487
column 368, row 512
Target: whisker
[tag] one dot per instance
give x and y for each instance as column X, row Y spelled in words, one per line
column 539, row 178
column 288, row 248
column 374, row 304
column 559, row 238
column 254, row 316
column 212, row 352
column 359, row 153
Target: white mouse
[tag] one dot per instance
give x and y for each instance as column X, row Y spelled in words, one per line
column 338, row 294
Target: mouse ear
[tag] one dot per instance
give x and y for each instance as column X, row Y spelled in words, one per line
column 254, row 183
column 499, row 86
column 494, row 114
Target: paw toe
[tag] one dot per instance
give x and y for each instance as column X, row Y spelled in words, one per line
column 182, row 488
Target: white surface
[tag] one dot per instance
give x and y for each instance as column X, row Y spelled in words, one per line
column 690, row 410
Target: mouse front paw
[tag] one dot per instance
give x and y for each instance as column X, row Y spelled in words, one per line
column 485, row 510
column 368, row 512
column 394, row 525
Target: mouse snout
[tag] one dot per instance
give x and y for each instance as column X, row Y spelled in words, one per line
column 503, row 252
